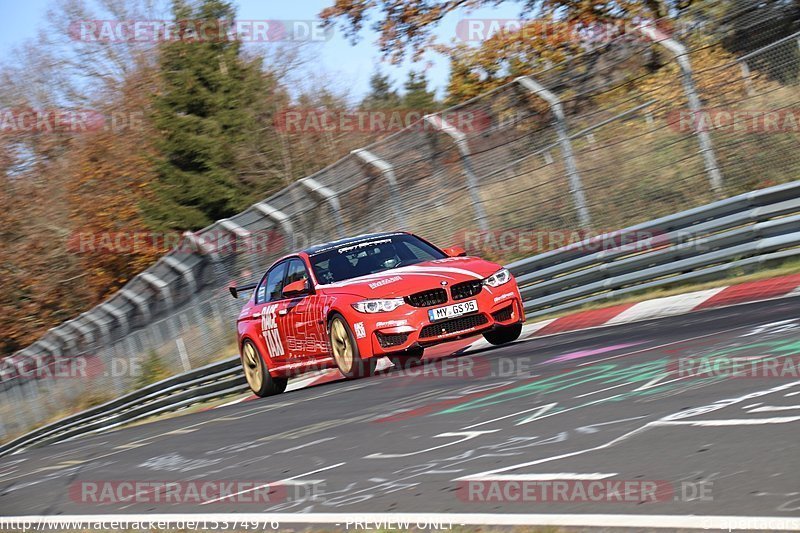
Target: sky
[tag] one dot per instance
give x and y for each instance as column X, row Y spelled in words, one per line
column 349, row 66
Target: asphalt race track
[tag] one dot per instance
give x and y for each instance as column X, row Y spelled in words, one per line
column 456, row 434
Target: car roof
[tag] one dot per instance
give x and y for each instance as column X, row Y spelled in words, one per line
column 332, row 245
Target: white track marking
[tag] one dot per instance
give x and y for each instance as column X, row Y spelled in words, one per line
column 659, row 346
column 602, row 390
column 625, row 436
column 312, row 443
column 729, row 422
column 230, row 496
column 530, row 329
column 234, row 402
column 541, row 409
column 544, row 477
column 662, row 307
column 770, row 408
column 467, row 435
column 795, row 292
column 640, row 521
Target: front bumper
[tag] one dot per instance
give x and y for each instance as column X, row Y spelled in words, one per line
column 409, row 327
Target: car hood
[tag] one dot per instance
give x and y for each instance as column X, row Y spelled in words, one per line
column 414, row 278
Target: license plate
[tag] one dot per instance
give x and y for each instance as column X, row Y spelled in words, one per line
column 452, row 311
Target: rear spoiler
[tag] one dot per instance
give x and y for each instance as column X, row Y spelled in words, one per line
column 236, row 290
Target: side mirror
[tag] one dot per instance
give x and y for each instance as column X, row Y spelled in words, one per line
column 455, row 251
column 296, row 288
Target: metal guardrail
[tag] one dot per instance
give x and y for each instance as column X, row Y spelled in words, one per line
column 177, row 392
column 700, row 243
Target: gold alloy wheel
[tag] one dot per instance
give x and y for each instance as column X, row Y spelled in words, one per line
column 342, row 347
column 252, row 367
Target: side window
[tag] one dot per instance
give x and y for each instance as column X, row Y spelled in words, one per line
column 261, row 291
column 272, row 285
column 295, row 272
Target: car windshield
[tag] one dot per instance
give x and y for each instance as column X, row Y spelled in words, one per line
column 371, row 255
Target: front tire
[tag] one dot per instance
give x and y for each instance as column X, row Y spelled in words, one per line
column 257, row 374
column 344, row 349
column 503, row 334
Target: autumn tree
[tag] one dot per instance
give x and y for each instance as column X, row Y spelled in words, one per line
column 406, row 26
column 548, row 33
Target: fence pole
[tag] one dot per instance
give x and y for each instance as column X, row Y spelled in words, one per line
column 460, row 139
column 748, row 83
column 117, row 314
column 576, row 186
column 280, row 217
column 241, row 237
column 681, row 56
column 387, row 170
column 329, row 196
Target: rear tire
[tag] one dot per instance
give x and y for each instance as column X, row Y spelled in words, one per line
column 503, row 334
column 345, row 352
column 407, row 359
column 257, row 374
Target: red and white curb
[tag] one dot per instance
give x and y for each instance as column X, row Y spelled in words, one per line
column 779, row 287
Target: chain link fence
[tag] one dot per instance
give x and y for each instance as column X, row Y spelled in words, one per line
column 640, row 126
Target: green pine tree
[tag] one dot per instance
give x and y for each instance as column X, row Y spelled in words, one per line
column 381, row 94
column 202, row 112
column 417, row 95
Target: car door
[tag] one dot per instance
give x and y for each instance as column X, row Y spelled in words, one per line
column 298, row 317
column 266, row 308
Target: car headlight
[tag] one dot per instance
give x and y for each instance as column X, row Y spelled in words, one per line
column 498, row 278
column 378, row 305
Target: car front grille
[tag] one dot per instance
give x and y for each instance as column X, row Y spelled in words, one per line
column 454, row 325
column 503, row 314
column 459, row 291
column 427, row 298
column 389, row 340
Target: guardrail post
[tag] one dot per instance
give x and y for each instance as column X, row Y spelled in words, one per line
column 249, row 247
column 748, row 83
column 280, row 217
column 575, row 183
column 234, row 228
column 68, row 340
column 202, row 247
column 681, row 56
column 102, row 326
column 121, row 317
column 85, row 331
column 387, row 170
column 137, row 300
column 182, row 269
column 158, row 284
column 460, row 138
column 329, row 196
column 54, row 349
column 237, row 231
